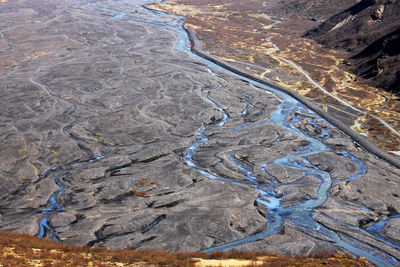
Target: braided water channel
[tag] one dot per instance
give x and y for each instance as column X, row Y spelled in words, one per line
column 54, row 206
column 299, row 214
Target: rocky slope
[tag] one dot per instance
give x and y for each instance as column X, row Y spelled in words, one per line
column 369, row 30
column 380, row 62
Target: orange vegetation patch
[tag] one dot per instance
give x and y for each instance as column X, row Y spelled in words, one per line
column 147, row 182
column 139, row 193
column 25, row 250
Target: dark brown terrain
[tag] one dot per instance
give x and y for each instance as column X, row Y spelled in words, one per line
column 369, row 31
column 379, row 62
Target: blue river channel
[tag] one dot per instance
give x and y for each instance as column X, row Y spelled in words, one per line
column 54, row 206
column 299, row 214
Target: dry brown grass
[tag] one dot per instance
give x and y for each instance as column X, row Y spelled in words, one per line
column 25, row 250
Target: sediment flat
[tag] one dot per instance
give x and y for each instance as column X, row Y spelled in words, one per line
column 98, row 110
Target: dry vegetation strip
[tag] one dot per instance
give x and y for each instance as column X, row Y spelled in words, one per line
column 25, row 250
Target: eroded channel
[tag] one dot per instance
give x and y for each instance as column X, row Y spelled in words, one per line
column 58, row 174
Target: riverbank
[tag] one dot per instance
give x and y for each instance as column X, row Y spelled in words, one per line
column 269, row 45
column 196, row 48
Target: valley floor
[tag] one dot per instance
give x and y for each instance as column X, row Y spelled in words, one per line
column 112, row 133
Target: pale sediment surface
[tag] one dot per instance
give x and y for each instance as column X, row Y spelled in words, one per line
column 98, row 110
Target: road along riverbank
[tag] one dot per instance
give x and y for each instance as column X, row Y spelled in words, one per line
column 196, row 48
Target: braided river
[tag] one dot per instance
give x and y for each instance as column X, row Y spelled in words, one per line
column 289, row 112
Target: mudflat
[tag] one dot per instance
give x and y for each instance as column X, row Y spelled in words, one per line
column 112, row 136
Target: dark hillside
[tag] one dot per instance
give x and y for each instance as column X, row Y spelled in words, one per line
column 321, row 9
column 380, row 62
column 368, row 30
